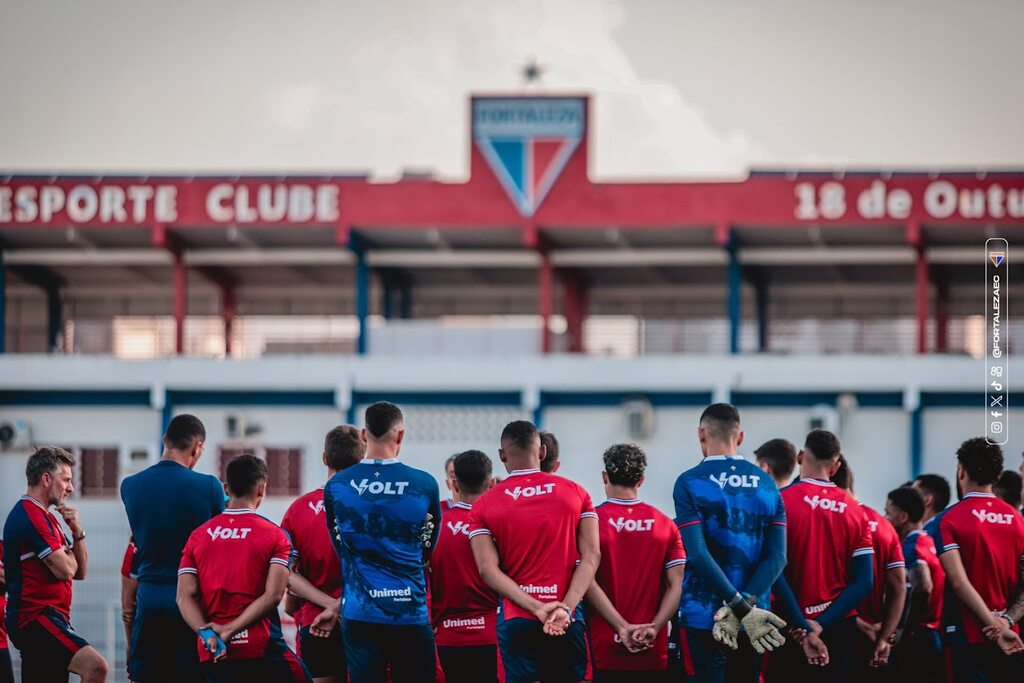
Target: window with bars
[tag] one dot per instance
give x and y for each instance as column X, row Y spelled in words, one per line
column 97, row 470
column 284, row 467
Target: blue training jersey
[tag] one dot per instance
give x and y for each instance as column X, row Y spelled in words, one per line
column 376, row 511
column 734, row 502
column 165, row 503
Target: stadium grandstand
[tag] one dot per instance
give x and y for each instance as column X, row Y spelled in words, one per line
column 275, row 307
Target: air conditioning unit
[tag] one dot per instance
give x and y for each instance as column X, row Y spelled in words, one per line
column 15, row 435
column 824, row 416
column 240, row 427
column 639, row 414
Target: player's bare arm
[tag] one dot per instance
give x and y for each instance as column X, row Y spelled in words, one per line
column 673, row 580
column 599, row 600
column 488, row 563
column 78, row 549
column 277, row 582
column 129, row 589
column 994, row 628
column 191, row 611
column 1016, row 609
column 921, row 587
column 896, row 594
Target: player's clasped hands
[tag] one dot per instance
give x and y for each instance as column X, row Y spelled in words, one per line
column 555, row 616
column 213, row 642
column 763, row 628
column 1003, row 636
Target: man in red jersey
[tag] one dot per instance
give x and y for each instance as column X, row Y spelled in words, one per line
column 314, row 585
column 129, row 593
column 981, row 546
column 527, row 534
column 918, row 645
column 637, row 588
column 39, row 564
column 6, row 670
column 463, row 608
column 233, row 574
column 829, row 563
column 879, row 615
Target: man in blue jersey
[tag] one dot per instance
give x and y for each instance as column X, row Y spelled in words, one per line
column 165, row 503
column 733, row 524
column 382, row 516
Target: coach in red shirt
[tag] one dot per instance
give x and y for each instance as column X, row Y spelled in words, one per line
column 981, row 547
column 527, row 534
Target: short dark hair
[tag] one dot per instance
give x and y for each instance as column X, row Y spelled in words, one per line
column 909, row 500
column 381, row 417
column 843, row 478
column 548, row 440
column 822, row 444
column 244, row 472
column 625, row 464
column 780, row 455
column 721, row 419
column 343, row 447
column 520, row 433
column 983, row 461
column 472, row 470
column 183, row 431
column 1008, row 487
column 937, row 487
column 46, row 460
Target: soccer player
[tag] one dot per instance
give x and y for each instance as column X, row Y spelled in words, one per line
column 382, row 516
column 449, row 476
column 6, row 670
column 315, row 582
column 550, row 463
column 935, row 490
column 879, row 615
column 638, row 585
column 777, row 458
column 918, row 646
column 40, row 563
column 129, row 591
column 829, row 568
column 233, row 574
column 527, row 534
column 981, row 547
column 463, row 608
column 165, row 503
column 1008, row 488
column 733, row 526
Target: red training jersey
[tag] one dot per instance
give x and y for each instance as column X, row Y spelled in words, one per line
column 128, row 568
column 920, row 550
column 827, row 529
column 3, row 605
column 463, row 609
column 638, row 543
column 306, row 526
column 888, row 556
column 231, row 557
column 989, row 534
column 533, row 517
column 31, row 533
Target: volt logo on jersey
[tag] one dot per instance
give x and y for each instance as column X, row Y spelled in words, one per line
column 527, row 141
column 622, row 524
column 737, row 481
column 227, row 532
column 825, row 504
column 992, row 517
column 317, row 507
column 388, row 488
column 459, row 528
column 530, row 491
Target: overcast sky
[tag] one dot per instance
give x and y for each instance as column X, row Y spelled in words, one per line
column 680, row 87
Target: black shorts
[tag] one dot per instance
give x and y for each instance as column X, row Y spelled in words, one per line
column 163, row 646
column 47, row 644
column 982, row 662
column 6, row 670
column 323, row 656
column 469, row 663
column 278, row 665
column 529, row 655
column 638, row 676
column 372, row 648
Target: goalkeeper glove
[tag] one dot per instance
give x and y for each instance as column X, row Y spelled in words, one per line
column 727, row 627
column 762, row 628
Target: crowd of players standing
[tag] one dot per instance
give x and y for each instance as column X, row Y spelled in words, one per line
column 524, row 579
